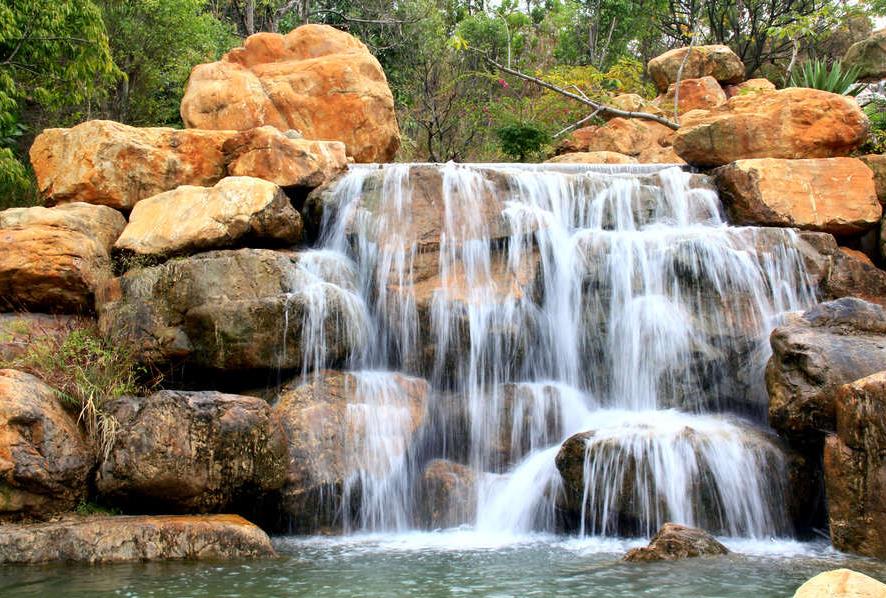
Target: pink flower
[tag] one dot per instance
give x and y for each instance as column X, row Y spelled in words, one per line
column 503, row 83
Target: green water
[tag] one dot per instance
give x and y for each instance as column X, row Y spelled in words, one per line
column 450, row 564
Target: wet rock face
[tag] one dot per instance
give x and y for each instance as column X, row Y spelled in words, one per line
column 855, row 467
column 238, row 310
column 718, row 62
column 841, row 583
column 836, row 272
column 44, row 460
column 674, row 542
column 236, row 211
column 813, row 354
column 54, row 259
column 790, row 123
column 192, row 452
column 334, row 424
column 317, row 80
column 834, row 195
column 448, row 494
column 134, row 539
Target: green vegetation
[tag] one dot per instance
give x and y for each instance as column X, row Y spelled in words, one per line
column 817, row 74
column 88, row 372
column 876, row 143
column 519, row 140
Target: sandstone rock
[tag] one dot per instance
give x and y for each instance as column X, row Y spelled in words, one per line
column 748, row 87
column 789, row 123
column 592, row 158
column 20, row 331
column 877, row 164
column 695, row 94
column 718, row 62
column 836, row 272
column 834, row 195
column 54, row 259
column 841, row 583
column 869, row 55
column 343, row 427
column 633, row 102
column 449, row 494
column 132, row 539
column 236, row 211
column 640, row 139
column 816, row 352
column 269, row 154
column 44, row 460
column 316, row 79
column 238, row 310
column 674, row 542
column 855, row 467
column 112, row 164
column 192, row 452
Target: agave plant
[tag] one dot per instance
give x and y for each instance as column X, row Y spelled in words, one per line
column 816, row 74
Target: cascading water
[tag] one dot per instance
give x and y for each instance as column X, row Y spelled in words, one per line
column 605, row 308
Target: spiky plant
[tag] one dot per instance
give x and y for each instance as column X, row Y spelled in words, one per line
column 816, row 74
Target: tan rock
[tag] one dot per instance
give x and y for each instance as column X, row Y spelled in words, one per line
column 869, row 55
column 841, row 583
column 674, row 542
column 695, row 94
column 592, row 158
column 44, row 460
column 269, row 154
column 835, row 195
column 108, row 163
column 748, row 87
column 789, row 123
column 839, row 271
column 54, row 259
column 448, row 494
column 193, row 219
column 134, row 539
column 316, row 79
column 877, row 163
column 643, row 140
column 718, row 62
column 855, row 468
column 192, row 452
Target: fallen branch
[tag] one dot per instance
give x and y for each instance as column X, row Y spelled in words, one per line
column 576, row 124
column 597, row 106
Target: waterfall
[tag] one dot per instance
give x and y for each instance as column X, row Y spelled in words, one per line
column 550, row 305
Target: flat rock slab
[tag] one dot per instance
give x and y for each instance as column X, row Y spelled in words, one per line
column 136, row 538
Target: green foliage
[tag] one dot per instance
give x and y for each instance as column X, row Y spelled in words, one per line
column 876, row 142
column 519, row 140
column 816, row 74
column 17, row 187
column 88, row 372
column 86, row 508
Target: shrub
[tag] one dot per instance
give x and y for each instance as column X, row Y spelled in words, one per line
column 876, row 112
column 519, row 140
column 816, row 74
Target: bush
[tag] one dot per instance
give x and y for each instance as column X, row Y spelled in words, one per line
column 876, row 112
column 519, row 140
column 816, row 74
column 88, row 372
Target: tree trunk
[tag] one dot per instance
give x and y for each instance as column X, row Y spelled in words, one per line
column 249, row 17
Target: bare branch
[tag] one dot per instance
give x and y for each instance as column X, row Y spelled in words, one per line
column 575, row 125
column 348, row 19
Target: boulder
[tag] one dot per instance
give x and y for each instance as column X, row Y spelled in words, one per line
column 869, row 55
column 109, row 539
column 789, row 123
column 674, row 542
column 272, row 155
column 238, row 210
column 748, row 87
column 20, row 331
column 715, row 61
column 836, row 272
column 855, row 467
column 833, row 195
column 238, row 310
column 448, row 494
column 192, row 452
column 841, row 583
column 112, row 164
column 317, row 80
column 54, row 259
column 633, row 102
column 877, row 164
column 813, row 354
column 643, row 140
column 44, row 460
column 695, row 94
column 343, row 427
column 592, row 158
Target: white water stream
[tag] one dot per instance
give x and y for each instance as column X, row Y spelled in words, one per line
column 544, row 301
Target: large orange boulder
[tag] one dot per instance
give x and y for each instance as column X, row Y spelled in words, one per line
column 112, row 164
column 644, row 140
column 601, row 157
column 54, row 259
column 789, row 123
column 695, row 94
column 316, row 79
column 834, row 195
column 715, row 61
